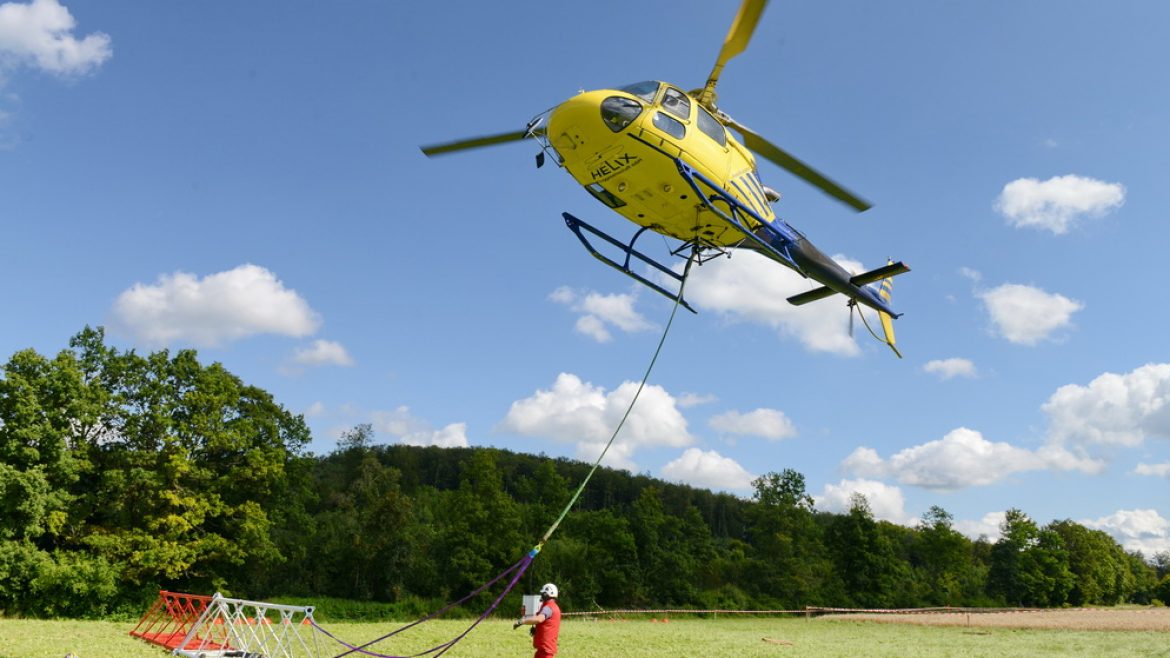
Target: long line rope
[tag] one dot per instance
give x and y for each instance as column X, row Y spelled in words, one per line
column 518, row 569
column 661, row 341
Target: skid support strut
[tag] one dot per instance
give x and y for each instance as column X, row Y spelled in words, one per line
column 579, row 229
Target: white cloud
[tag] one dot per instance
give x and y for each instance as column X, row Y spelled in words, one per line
column 600, row 312
column 1057, row 203
column 751, row 288
column 1113, row 409
column 408, row 429
column 1025, row 315
column 988, row 526
column 1157, row 470
column 323, row 353
column 1136, row 530
column 40, row 34
column 218, row 308
column 578, row 412
column 970, row 274
column 962, row 458
column 708, row 469
column 687, row 400
column 767, row 423
column 619, row 455
column 885, row 501
column 314, row 410
column 951, row 368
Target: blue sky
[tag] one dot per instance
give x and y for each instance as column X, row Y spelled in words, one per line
column 245, row 179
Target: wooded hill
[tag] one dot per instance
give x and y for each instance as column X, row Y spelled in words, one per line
column 122, row 474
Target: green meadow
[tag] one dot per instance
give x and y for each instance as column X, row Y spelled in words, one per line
column 709, row 638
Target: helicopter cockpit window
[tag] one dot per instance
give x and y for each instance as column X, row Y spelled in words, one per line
column 711, row 127
column 669, row 125
column 618, row 112
column 644, row 90
column 677, row 103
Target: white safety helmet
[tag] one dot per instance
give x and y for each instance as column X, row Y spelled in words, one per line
column 549, row 590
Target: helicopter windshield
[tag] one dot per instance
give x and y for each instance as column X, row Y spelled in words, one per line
column 644, row 90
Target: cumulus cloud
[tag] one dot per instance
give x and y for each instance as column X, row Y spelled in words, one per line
column 708, row 469
column 577, row 412
column 408, row 429
column 767, row 423
column 1057, row 203
column 961, row 459
column 601, row 312
column 750, row 288
column 687, row 400
column 950, row 368
column 885, row 501
column 1025, row 315
column 988, row 526
column 1157, row 470
column 1114, row 409
column 1136, row 530
column 970, row 274
column 323, row 353
column 39, row 34
column 216, row 309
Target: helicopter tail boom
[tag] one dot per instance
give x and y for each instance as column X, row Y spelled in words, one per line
column 882, row 273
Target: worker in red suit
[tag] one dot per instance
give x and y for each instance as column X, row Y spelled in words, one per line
column 546, row 623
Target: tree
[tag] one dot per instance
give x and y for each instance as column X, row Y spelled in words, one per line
column 1099, row 565
column 1029, row 566
column 789, row 566
column 147, row 471
column 363, row 532
column 782, row 490
column 863, row 558
column 944, row 554
column 480, row 535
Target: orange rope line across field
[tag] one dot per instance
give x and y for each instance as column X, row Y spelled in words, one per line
column 808, row 610
column 679, row 611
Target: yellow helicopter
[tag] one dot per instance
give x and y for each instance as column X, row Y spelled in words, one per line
column 664, row 159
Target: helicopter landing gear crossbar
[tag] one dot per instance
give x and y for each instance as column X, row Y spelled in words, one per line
column 577, row 226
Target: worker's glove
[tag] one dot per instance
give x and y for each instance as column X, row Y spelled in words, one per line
column 518, row 624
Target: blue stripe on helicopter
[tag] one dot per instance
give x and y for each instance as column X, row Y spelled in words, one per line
column 755, row 179
column 757, row 193
column 746, row 196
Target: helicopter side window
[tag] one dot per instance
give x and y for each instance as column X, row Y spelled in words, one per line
column 677, row 103
column 644, row 90
column 669, row 125
column 711, row 127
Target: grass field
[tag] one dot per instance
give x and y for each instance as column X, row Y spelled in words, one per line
column 845, row 637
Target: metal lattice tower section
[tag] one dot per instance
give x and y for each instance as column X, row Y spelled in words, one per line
column 251, row 629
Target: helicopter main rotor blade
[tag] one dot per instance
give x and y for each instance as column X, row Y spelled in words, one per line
column 791, row 164
column 475, row 142
column 736, row 42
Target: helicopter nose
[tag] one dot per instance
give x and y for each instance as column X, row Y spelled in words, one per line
column 577, row 122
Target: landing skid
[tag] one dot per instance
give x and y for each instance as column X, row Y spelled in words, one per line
column 577, row 226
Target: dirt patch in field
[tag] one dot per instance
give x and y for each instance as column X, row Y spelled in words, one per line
column 1083, row 619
